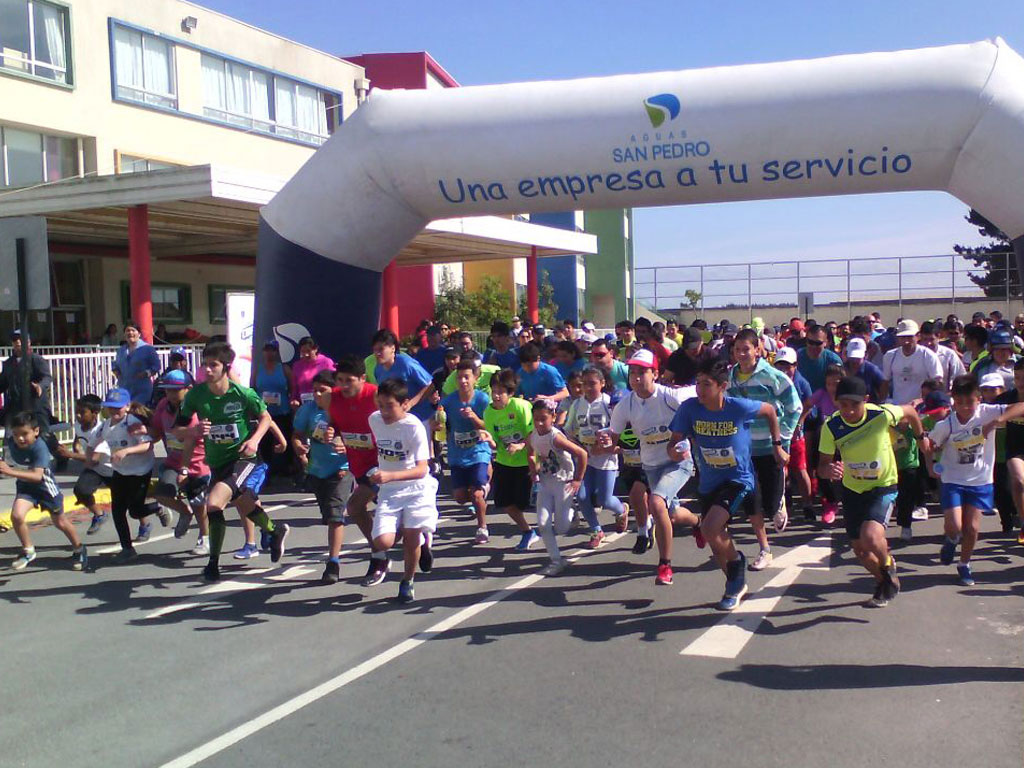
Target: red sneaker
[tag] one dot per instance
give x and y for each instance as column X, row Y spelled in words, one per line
column 698, row 538
column 828, row 512
column 664, row 576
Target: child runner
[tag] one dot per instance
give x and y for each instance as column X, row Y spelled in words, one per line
column 992, row 386
column 509, row 422
column 860, row 432
column 31, row 467
column 589, row 415
column 181, row 486
column 325, row 467
column 224, row 409
column 558, row 466
column 94, row 475
column 1014, row 456
column 574, row 384
column 469, row 454
column 720, row 427
column 908, row 480
column 408, row 492
column 966, row 442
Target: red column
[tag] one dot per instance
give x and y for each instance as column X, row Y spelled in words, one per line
column 138, row 262
column 532, row 292
column 389, row 298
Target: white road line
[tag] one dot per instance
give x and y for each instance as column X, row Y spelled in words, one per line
column 233, row 585
column 293, row 705
column 729, row 636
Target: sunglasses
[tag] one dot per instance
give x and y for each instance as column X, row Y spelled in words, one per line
column 815, row 343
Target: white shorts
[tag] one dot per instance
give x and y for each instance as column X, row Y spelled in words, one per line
column 414, row 506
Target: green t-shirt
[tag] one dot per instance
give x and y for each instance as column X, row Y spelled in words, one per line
column 865, row 447
column 370, row 363
column 483, row 381
column 229, row 415
column 511, row 424
column 904, row 447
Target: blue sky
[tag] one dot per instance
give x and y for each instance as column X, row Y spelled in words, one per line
column 482, row 42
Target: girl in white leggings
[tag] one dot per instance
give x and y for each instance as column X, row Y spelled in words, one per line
column 557, row 464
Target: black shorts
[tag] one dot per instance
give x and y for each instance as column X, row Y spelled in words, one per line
column 241, row 475
column 630, row 475
column 87, row 484
column 729, row 496
column 330, row 496
column 769, row 484
column 511, row 486
column 876, row 504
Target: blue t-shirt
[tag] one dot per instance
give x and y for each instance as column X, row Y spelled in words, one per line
column 814, row 370
column 721, row 440
column 871, row 374
column 416, row 378
column 545, row 381
column 431, row 359
column 464, row 445
column 803, row 389
column 567, row 369
column 507, row 359
column 36, row 456
column 313, row 422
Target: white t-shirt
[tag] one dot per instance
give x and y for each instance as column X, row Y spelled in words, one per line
column 951, row 365
column 553, row 464
column 967, row 457
column 908, row 372
column 401, row 445
column 650, row 418
column 89, row 439
column 117, row 436
column 584, row 422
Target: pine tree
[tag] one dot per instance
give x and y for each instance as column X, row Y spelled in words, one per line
column 993, row 258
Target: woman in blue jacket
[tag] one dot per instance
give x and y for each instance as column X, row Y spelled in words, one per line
column 136, row 364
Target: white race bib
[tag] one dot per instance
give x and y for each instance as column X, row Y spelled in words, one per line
column 357, row 440
column 224, row 433
column 272, row 398
column 719, row 458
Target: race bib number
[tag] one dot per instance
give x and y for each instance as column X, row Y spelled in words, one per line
column 357, row 440
column 968, row 445
column 224, row 434
column 719, row 458
column 864, row 470
column 306, row 397
column 272, row 398
column 511, row 439
column 631, row 457
column 588, row 436
column 319, row 433
column 465, row 439
column 655, row 436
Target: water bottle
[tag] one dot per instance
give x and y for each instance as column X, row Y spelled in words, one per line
column 937, row 466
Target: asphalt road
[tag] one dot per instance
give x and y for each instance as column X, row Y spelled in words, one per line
column 143, row 664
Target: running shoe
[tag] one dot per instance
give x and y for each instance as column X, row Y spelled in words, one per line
column 332, row 572
column 664, row 577
column 964, row 576
column 211, row 572
column 277, row 537
column 878, row 600
column 948, row 552
column 596, row 537
column 201, row 547
column 248, row 552
column 781, row 519
column 126, row 555
column 97, row 523
column 426, row 559
column 406, row 593
column 264, row 541
column 21, row 562
column 736, row 578
column 641, row 544
column 828, row 512
column 622, row 519
column 763, row 560
column 650, row 537
column 376, row 572
column 482, row 536
column 79, row 559
column 729, row 602
column 144, row 530
column 553, row 568
column 890, row 581
column 527, row 540
column 184, row 521
column 164, row 515
column 919, row 513
column 698, row 537
column 906, row 534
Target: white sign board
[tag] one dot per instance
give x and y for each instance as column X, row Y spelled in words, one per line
column 31, row 229
column 241, row 307
column 805, row 304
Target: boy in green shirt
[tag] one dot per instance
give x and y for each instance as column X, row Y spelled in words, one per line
column 910, row 492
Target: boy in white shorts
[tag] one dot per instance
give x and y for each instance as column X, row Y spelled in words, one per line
column 408, row 492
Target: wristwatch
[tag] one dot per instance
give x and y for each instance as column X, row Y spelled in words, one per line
column 776, row 442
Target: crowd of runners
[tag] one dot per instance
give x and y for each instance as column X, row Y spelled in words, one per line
column 653, row 426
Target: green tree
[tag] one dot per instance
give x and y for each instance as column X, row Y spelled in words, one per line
column 993, row 258
column 488, row 303
column 547, row 309
column 692, row 302
column 452, row 304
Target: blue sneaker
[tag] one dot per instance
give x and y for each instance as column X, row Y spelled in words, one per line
column 265, row 539
column 144, row 531
column 948, row 552
column 248, row 552
column 406, row 592
column 97, row 523
column 527, row 540
column 735, row 584
column 964, row 576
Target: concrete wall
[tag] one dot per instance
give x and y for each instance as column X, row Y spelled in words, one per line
column 609, row 270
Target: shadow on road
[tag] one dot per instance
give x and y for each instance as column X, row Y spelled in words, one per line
column 777, row 677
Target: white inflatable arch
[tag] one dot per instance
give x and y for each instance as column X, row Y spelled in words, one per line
column 949, row 118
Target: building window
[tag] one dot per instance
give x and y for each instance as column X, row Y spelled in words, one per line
column 219, row 301
column 34, row 39
column 28, row 158
column 172, row 302
column 136, row 164
column 144, row 68
column 253, row 98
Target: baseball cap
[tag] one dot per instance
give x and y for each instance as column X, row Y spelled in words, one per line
column 856, row 348
column 757, row 323
column 515, row 318
column 175, row 380
column 609, row 337
column 936, row 399
column 786, row 355
column 992, row 380
column 643, row 358
column 852, row 388
column 692, row 337
column 538, row 328
column 730, row 330
column 117, row 398
column 16, row 334
column 907, row 328
column 796, row 325
column 999, row 339
column 589, row 338
column 588, row 326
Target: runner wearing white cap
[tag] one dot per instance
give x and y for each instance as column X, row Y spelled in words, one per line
column 909, row 365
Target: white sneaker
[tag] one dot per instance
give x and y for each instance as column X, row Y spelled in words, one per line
column 919, row 513
column 201, row 548
column 781, row 519
column 482, row 536
column 553, row 568
column 764, row 559
column 906, row 534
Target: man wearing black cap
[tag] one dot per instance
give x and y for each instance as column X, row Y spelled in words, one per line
column 859, row 431
column 12, row 384
column 684, row 363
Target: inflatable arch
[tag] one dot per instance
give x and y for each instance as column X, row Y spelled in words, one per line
column 949, row 118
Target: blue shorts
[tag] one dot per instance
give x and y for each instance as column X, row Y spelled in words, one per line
column 978, row 496
column 875, row 504
column 470, row 476
column 241, row 476
column 667, row 480
column 52, row 504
